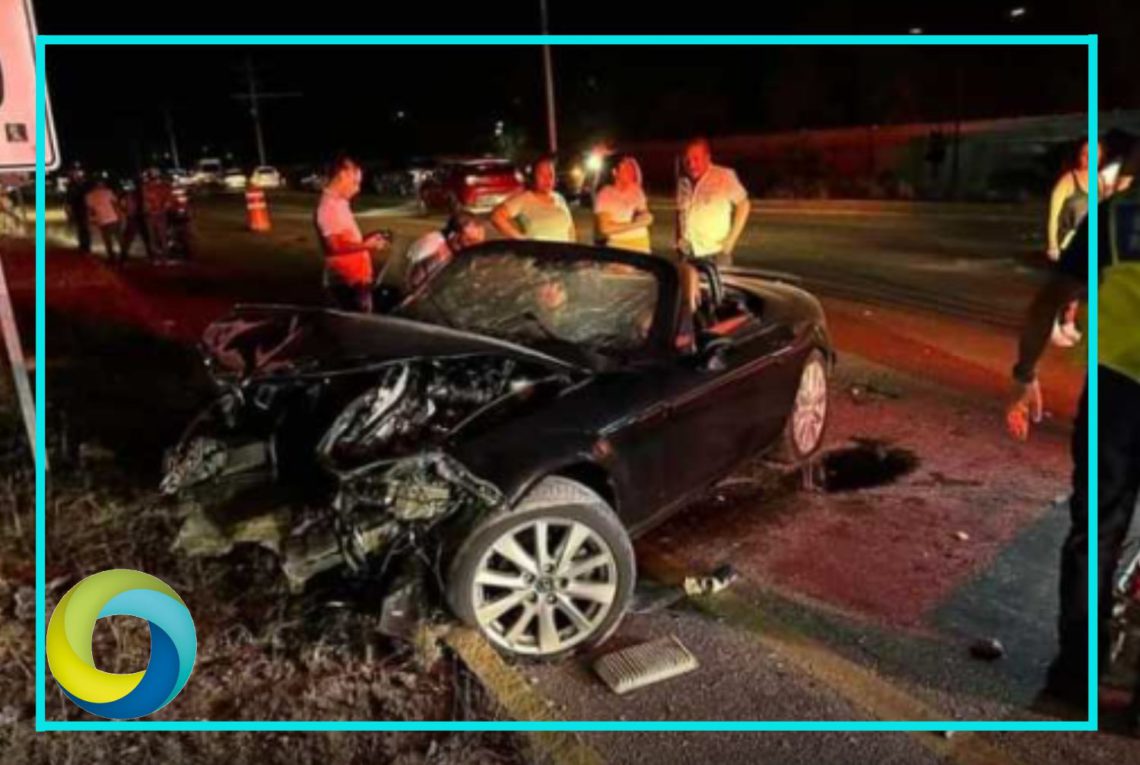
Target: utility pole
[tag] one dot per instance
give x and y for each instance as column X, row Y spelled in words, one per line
column 548, row 67
column 253, row 112
column 255, row 97
column 170, row 137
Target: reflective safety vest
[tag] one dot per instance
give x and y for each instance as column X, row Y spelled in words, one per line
column 1118, row 316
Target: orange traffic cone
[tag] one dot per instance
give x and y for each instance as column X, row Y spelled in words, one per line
column 257, row 210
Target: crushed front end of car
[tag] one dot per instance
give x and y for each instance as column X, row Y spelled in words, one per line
column 340, row 463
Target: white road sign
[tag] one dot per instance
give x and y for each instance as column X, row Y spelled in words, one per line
column 18, row 91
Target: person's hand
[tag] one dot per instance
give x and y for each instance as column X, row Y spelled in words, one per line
column 1053, row 253
column 376, row 242
column 1025, row 406
column 643, row 218
column 729, row 246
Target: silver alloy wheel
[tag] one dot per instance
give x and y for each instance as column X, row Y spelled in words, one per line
column 544, row 586
column 810, row 411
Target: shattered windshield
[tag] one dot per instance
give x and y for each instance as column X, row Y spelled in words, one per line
column 606, row 307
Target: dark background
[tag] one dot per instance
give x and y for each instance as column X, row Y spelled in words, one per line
column 109, row 102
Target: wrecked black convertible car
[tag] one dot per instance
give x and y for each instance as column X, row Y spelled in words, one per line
column 512, row 425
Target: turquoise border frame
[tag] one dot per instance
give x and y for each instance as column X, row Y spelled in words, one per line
column 42, row 724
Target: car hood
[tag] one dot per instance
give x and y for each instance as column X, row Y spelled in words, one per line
column 288, row 341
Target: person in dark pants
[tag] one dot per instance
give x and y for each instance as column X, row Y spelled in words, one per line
column 75, row 200
column 156, row 203
column 1118, row 468
column 347, row 253
column 133, row 223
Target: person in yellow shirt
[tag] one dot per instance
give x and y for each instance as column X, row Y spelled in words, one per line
column 1118, row 469
column 621, row 211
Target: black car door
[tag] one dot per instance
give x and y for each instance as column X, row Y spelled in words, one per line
column 717, row 418
column 634, row 439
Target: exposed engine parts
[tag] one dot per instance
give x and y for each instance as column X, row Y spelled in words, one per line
column 414, row 403
column 418, row 488
column 386, row 492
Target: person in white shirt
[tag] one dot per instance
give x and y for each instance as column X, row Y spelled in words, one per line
column 347, row 252
column 621, row 211
column 435, row 249
column 712, row 206
column 538, row 212
column 103, row 212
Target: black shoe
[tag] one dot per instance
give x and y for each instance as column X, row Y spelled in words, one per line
column 1061, row 706
column 1066, row 693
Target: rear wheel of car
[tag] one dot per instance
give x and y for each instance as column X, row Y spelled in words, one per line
column 807, row 422
column 550, row 576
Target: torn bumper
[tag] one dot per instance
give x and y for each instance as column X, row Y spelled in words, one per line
column 376, row 511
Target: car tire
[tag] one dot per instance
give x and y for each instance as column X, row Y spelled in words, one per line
column 802, row 438
column 570, row 606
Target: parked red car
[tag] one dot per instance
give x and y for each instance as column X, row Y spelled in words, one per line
column 473, row 185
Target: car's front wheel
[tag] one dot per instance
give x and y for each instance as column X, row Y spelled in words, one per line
column 552, row 575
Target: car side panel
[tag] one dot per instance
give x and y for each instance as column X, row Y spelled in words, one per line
column 615, row 421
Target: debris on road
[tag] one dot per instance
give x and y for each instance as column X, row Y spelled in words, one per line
column 645, row 664
column 962, row 536
column 866, row 392
column 720, row 578
column 987, row 649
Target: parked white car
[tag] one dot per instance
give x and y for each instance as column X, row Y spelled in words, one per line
column 235, row 180
column 266, row 177
column 180, row 178
column 207, row 172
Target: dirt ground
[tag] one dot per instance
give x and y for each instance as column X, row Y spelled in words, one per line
column 261, row 654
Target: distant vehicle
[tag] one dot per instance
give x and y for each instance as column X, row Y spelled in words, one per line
column 266, row 177
column 472, row 185
column 179, row 177
column 235, row 180
column 403, row 179
column 208, row 172
column 306, row 177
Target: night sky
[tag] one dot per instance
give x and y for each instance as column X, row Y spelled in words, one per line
column 380, row 103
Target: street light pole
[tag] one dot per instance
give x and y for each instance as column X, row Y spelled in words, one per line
column 255, row 97
column 548, row 67
column 170, row 136
column 253, row 111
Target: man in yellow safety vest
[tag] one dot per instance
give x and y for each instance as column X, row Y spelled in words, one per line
column 1118, row 377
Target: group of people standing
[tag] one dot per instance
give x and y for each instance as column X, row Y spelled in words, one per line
column 712, row 211
column 151, row 210
column 712, row 208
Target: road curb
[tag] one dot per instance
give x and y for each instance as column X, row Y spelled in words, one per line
column 520, row 700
